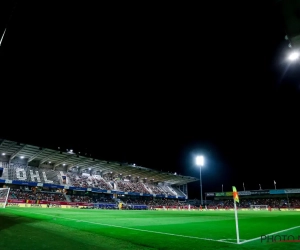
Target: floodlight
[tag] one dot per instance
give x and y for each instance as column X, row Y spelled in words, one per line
column 200, row 160
column 293, row 56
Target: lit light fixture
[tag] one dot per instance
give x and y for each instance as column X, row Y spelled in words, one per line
column 200, row 160
column 293, row 56
column 70, row 151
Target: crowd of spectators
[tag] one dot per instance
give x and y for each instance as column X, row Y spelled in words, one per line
column 137, row 187
column 218, row 204
column 77, row 181
column 31, row 194
column 246, row 203
column 103, row 200
column 166, row 203
column 20, row 194
column 107, row 182
column 100, row 183
column 110, row 183
column 78, row 198
column 156, row 189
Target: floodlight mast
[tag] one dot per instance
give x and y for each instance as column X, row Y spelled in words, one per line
column 200, row 163
column 290, row 12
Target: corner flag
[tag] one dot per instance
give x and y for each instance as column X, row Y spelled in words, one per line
column 236, row 199
column 235, row 194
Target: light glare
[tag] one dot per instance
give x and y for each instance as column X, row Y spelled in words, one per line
column 294, row 56
column 200, row 160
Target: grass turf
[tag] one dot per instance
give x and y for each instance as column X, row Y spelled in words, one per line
column 72, row 229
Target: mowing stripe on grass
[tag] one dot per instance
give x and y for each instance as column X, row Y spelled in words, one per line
column 136, row 229
column 257, row 238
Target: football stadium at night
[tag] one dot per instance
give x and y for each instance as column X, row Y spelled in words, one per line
column 137, row 127
column 59, row 198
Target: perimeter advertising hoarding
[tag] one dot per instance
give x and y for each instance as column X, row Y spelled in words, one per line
column 223, row 194
column 78, row 189
column 24, row 183
column 220, row 194
column 15, row 201
column 292, row 191
column 16, row 204
column 50, row 185
column 259, row 192
column 277, row 191
column 255, row 192
column 244, row 193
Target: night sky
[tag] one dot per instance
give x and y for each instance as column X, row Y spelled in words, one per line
column 155, row 86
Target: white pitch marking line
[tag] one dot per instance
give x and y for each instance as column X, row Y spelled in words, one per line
column 2, row 36
column 136, row 229
column 270, row 234
column 230, row 239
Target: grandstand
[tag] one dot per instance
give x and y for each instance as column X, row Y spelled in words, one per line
column 286, row 199
column 39, row 170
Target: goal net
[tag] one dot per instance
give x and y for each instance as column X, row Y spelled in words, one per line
column 259, row 207
column 4, row 192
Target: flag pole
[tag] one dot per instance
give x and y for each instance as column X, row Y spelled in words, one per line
column 236, row 199
column 236, row 224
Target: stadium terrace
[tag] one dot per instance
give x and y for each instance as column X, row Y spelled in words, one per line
column 39, row 170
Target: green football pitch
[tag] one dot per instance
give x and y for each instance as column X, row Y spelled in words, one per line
column 85, row 229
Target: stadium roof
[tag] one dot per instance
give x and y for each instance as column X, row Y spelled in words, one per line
column 66, row 160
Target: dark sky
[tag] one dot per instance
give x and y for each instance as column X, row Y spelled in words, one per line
column 156, row 85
